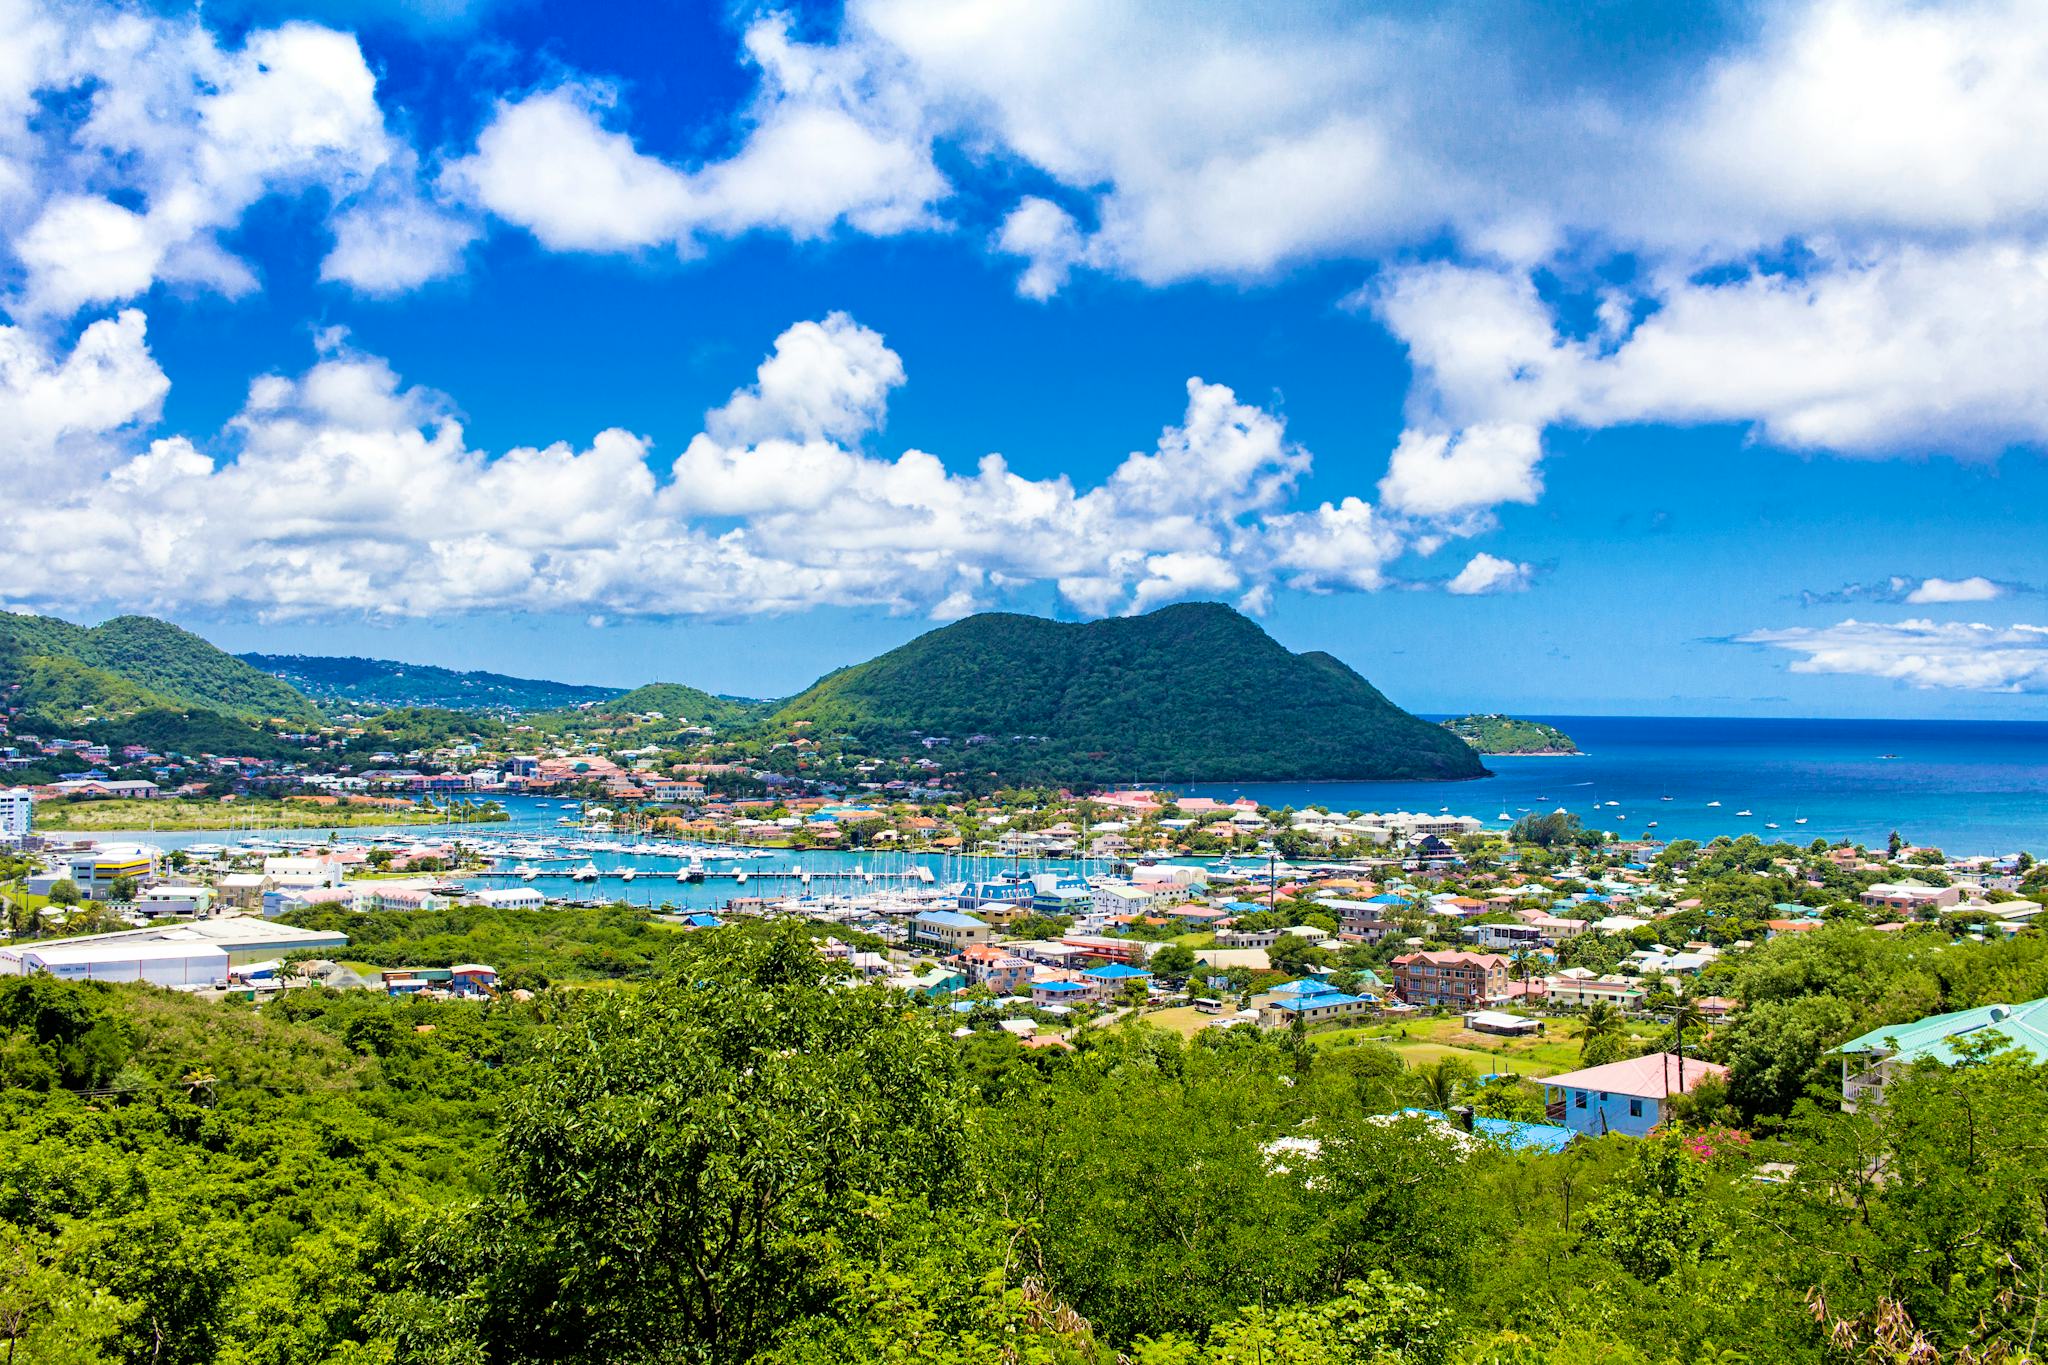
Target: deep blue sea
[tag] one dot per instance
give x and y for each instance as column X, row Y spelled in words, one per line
column 1962, row 786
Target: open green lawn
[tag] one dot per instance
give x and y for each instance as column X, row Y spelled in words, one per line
column 1422, row 1041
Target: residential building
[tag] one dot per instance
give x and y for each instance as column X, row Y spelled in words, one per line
column 1871, row 1061
column 1576, row 989
column 1313, row 1002
column 17, row 816
column 1109, row 900
column 1459, row 980
column 948, row 929
column 1911, row 896
column 1623, row 1097
column 1504, row 936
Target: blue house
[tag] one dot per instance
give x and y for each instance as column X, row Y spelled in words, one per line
column 1630, row 1096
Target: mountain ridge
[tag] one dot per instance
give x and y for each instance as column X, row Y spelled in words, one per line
column 1191, row 692
column 347, row 678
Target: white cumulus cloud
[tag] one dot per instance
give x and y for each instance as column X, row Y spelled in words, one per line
column 1921, row 653
column 1485, row 573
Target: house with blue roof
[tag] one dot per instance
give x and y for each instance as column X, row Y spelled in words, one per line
column 1319, row 1005
column 1509, row 1134
column 703, row 919
column 1066, row 992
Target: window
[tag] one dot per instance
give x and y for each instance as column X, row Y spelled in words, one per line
column 1635, row 1109
column 1578, row 1099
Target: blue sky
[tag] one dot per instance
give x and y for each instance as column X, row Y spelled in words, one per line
column 1643, row 359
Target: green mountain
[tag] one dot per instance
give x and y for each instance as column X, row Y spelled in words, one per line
column 1508, row 735
column 65, row 674
column 389, row 683
column 1194, row 692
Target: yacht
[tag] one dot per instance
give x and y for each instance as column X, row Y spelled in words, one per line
column 1743, row 813
column 1712, row 804
column 1770, row 824
column 1651, row 825
column 1800, row 821
column 1503, row 816
column 526, row 872
column 627, row 874
column 585, row 873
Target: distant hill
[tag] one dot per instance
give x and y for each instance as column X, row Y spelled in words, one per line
column 1194, row 692
column 65, row 674
column 1507, row 735
column 656, row 708
column 389, row 683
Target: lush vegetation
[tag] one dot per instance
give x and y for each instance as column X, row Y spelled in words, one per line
column 736, row 1160
column 168, row 813
column 129, row 664
column 385, row 682
column 412, row 729
column 1507, row 735
column 533, row 948
column 653, row 710
column 1188, row 693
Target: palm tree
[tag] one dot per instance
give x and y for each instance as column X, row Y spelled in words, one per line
column 1603, row 1020
column 1441, row 1081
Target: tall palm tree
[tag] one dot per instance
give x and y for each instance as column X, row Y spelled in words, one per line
column 1603, row 1020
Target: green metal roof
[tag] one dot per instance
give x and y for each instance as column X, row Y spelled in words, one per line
column 2025, row 1026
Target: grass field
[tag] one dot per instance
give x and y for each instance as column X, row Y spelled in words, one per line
column 173, row 813
column 1423, row 1041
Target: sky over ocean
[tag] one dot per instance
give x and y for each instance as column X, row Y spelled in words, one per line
column 1523, row 361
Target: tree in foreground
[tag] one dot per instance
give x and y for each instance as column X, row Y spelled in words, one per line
column 687, row 1158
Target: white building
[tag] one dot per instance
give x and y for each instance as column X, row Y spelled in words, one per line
column 303, row 874
column 17, row 816
column 511, row 898
column 160, row 963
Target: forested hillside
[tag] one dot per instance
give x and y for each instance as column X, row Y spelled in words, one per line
column 387, row 682
column 733, row 1160
column 61, row 674
column 1188, row 693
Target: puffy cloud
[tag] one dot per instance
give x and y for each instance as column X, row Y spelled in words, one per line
column 1445, row 474
column 1048, row 239
column 1921, row 653
column 547, row 163
column 55, row 414
column 344, row 490
column 1976, row 589
column 1905, row 352
column 1877, row 115
column 1486, row 573
column 179, row 136
column 823, row 147
column 391, row 246
column 1348, row 545
column 826, row 380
